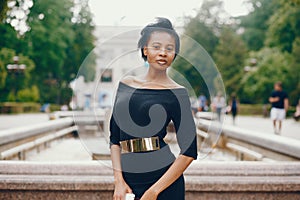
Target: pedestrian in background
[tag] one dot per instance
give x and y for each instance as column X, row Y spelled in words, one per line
column 280, row 104
column 202, row 103
column 218, row 105
column 233, row 107
column 297, row 113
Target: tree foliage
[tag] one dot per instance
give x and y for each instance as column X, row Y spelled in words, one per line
column 255, row 24
column 58, row 38
column 229, row 56
column 3, row 9
column 83, row 44
column 50, row 37
column 277, row 27
column 29, row 94
column 203, row 28
column 284, row 26
column 272, row 66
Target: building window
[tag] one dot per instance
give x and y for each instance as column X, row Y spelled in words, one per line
column 106, row 75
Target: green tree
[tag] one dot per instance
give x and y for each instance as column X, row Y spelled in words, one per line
column 29, row 94
column 295, row 79
column 60, row 37
column 272, row 66
column 255, row 24
column 284, row 25
column 82, row 46
column 204, row 29
column 9, row 37
column 49, row 38
column 3, row 9
column 229, row 57
column 3, row 74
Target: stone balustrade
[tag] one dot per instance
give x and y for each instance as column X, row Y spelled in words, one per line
column 204, row 180
column 15, row 142
column 271, row 147
column 15, row 134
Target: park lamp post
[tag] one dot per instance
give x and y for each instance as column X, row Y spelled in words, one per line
column 16, row 69
column 252, row 67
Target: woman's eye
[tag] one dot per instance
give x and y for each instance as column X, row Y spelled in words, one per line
column 170, row 49
column 156, row 47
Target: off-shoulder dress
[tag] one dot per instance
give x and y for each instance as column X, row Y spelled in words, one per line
column 143, row 112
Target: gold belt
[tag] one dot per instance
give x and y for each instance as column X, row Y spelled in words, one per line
column 140, row 145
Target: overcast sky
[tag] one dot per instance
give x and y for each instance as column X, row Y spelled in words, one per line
column 140, row 12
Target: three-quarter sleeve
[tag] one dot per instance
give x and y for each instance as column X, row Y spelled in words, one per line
column 114, row 132
column 181, row 115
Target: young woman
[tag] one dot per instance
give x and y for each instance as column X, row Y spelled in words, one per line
column 144, row 106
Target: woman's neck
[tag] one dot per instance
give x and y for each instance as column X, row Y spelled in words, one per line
column 156, row 75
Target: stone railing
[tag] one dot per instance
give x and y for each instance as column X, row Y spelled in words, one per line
column 15, row 142
column 204, row 180
column 253, row 145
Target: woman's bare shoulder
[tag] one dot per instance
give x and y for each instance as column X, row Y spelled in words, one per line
column 133, row 81
column 128, row 80
column 174, row 84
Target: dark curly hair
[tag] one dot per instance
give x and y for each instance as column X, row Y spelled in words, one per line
column 162, row 25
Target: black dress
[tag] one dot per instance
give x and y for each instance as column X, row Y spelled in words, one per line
column 141, row 112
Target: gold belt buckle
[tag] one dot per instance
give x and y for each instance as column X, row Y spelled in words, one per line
column 140, row 145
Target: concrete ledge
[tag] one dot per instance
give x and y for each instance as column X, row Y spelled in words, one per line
column 14, row 134
column 275, row 143
column 204, row 180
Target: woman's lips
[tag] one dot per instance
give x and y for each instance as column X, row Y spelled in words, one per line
column 161, row 62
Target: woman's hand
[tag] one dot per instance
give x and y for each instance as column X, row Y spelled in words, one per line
column 121, row 188
column 149, row 195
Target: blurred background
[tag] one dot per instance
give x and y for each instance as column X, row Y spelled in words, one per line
column 254, row 43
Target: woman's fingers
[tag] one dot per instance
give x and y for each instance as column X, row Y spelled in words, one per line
column 129, row 190
column 118, row 197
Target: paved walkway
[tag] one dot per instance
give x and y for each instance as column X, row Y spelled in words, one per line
column 69, row 149
column 19, row 120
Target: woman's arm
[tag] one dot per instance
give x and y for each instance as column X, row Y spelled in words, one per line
column 170, row 176
column 121, row 187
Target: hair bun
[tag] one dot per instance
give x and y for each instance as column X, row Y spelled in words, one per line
column 163, row 22
column 160, row 22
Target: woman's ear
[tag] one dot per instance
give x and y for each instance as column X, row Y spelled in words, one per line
column 145, row 51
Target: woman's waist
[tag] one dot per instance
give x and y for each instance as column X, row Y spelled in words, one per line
column 143, row 162
column 137, row 145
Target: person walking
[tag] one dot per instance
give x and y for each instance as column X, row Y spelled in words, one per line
column 143, row 163
column 297, row 112
column 202, row 103
column 233, row 107
column 218, row 105
column 280, row 104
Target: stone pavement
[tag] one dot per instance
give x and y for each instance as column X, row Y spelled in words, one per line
column 19, row 120
column 68, row 149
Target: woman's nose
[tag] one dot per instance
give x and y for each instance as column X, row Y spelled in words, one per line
column 163, row 52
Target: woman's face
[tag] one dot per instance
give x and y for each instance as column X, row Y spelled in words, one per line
column 160, row 50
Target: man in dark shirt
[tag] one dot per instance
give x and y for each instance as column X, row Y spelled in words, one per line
column 280, row 103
